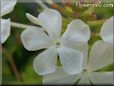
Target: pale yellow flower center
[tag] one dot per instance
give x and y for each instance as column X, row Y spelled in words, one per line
column 57, row 42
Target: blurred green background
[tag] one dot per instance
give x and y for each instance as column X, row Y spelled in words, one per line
column 17, row 61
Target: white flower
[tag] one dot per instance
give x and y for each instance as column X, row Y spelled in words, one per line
column 101, row 55
column 6, row 7
column 70, row 47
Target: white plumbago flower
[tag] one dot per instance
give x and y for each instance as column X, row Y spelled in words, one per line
column 6, row 7
column 101, row 55
column 70, row 47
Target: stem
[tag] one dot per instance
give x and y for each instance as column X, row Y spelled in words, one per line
column 56, row 6
column 42, row 4
column 18, row 25
column 23, row 26
column 95, row 34
column 12, row 63
column 0, row 64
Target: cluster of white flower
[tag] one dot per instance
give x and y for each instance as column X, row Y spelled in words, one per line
column 71, row 48
column 101, row 55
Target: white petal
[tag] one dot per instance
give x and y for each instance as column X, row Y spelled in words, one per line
column 34, row 38
column 77, row 32
column 51, row 21
column 33, row 19
column 107, row 31
column 101, row 55
column 5, row 29
column 45, row 62
column 84, row 80
column 71, row 60
column 104, row 78
column 60, row 77
column 7, row 6
column 83, row 48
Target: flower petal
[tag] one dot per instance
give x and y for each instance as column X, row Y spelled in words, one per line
column 104, row 78
column 101, row 55
column 60, row 77
column 71, row 60
column 107, row 31
column 84, row 80
column 45, row 62
column 51, row 21
column 83, row 48
column 34, row 38
column 5, row 29
column 77, row 32
column 7, row 6
column 33, row 19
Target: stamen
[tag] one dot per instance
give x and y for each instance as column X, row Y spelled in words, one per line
column 57, row 43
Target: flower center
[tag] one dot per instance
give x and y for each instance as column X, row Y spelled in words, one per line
column 57, row 43
column 85, row 71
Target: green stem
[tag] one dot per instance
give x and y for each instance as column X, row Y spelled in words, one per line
column 12, row 63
